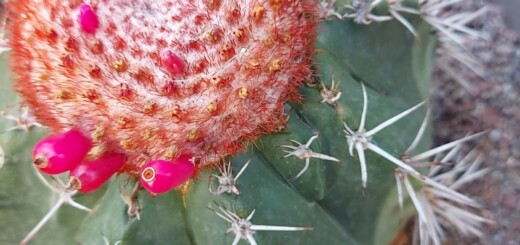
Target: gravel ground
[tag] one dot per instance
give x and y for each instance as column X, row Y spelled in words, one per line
column 492, row 102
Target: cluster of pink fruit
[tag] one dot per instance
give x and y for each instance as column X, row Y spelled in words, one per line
column 67, row 152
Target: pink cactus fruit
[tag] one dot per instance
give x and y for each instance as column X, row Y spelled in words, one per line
column 161, row 176
column 87, row 18
column 62, row 152
column 88, row 176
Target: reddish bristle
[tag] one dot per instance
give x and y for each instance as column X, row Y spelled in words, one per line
column 203, row 76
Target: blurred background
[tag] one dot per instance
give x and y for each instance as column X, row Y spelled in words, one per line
column 510, row 9
column 490, row 102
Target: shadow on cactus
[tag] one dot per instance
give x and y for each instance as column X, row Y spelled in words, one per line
column 219, row 122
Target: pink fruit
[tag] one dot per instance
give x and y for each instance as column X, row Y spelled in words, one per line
column 89, row 176
column 87, row 18
column 62, row 152
column 172, row 62
column 161, row 176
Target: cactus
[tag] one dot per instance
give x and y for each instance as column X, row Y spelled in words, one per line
column 259, row 144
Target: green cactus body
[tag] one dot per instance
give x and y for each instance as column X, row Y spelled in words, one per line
column 325, row 205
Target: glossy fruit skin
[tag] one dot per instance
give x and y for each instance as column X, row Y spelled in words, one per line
column 88, row 19
column 59, row 153
column 173, row 63
column 91, row 175
column 166, row 175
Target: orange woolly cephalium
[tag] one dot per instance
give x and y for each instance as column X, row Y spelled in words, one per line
column 159, row 79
